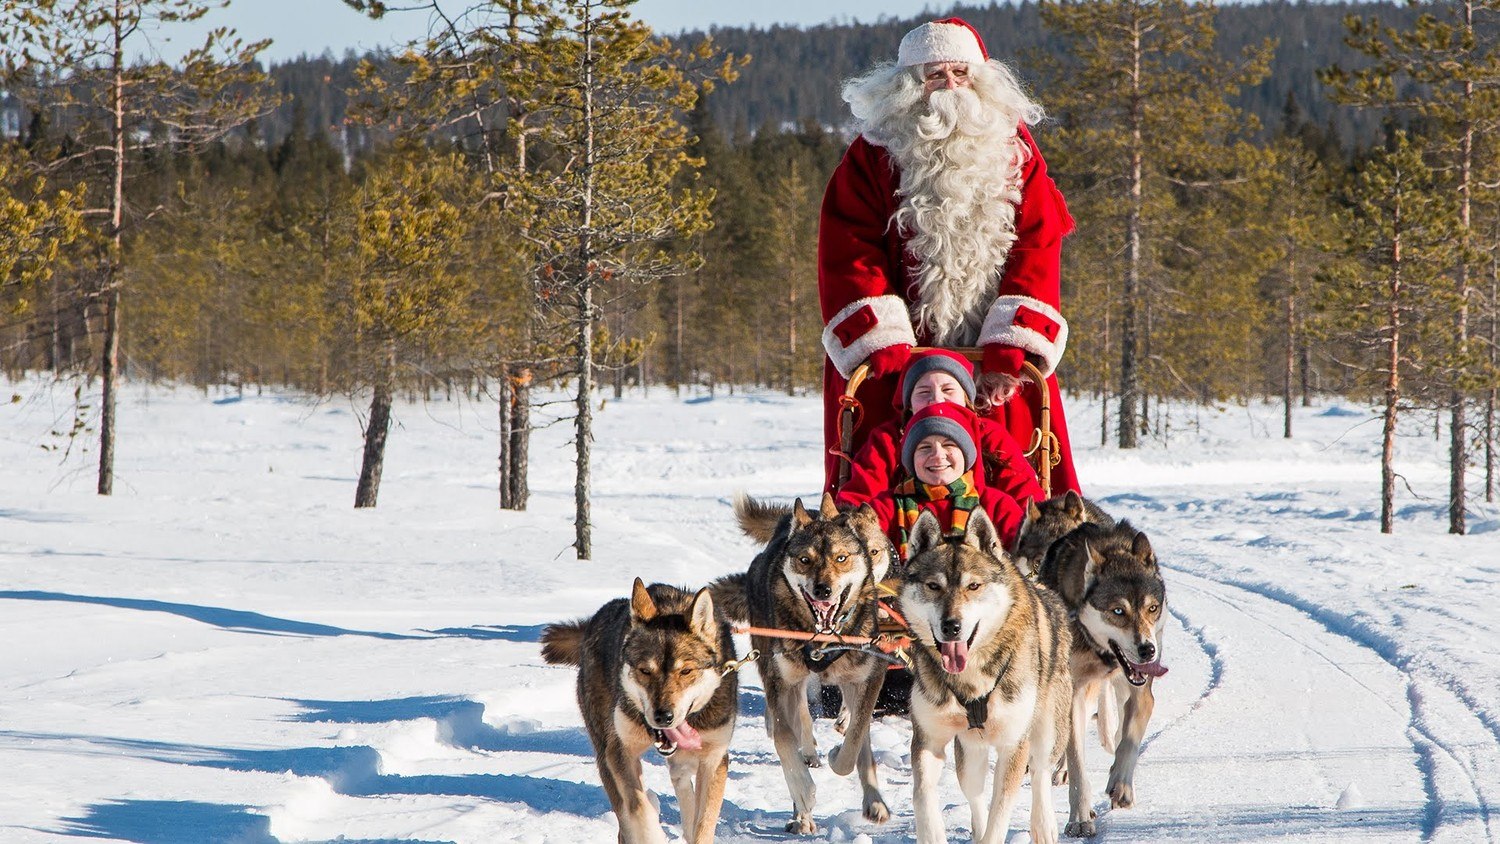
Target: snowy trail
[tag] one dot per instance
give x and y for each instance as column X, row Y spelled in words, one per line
column 227, row 653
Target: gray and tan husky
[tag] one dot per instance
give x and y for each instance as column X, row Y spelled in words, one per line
column 817, row 574
column 652, row 673
column 1051, row 520
column 991, row 670
column 1110, row 581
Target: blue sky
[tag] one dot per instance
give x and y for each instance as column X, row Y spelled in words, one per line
column 310, row 26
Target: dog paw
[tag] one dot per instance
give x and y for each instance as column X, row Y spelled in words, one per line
column 840, row 765
column 1080, row 829
column 1045, row 832
column 811, row 760
column 1121, row 795
column 841, row 723
column 801, row 826
column 876, row 811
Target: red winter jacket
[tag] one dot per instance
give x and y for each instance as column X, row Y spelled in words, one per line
column 877, row 465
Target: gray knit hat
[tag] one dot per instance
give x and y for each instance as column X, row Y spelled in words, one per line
column 944, row 419
column 937, row 360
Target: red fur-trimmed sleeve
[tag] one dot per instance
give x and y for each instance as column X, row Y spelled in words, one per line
column 1015, row 478
column 1027, row 313
column 874, row 467
column 863, row 311
column 1005, row 513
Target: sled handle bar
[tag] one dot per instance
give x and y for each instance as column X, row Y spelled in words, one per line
column 1043, row 450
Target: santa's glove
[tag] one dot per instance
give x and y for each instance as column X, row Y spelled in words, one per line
column 1001, row 376
column 888, row 361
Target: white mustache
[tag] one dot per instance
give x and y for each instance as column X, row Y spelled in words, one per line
column 952, row 111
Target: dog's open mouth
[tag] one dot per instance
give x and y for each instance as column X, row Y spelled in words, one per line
column 1137, row 672
column 824, row 612
column 955, row 654
column 681, row 736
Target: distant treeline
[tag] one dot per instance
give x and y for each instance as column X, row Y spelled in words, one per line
column 795, row 73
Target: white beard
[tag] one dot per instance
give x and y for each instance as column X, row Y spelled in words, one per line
column 960, row 160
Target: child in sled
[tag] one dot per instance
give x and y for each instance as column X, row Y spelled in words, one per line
column 1000, row 473
column 941, row 474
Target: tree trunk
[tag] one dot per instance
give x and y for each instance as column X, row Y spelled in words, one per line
column 1129, row 377
column 1289, row 372
column 503, row 410
column 583, row 418
column 111, row 358
column 376, row 430
column 520, row 436
column 1392, row 386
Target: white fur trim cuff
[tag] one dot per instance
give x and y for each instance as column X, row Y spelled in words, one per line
column 1028, row 324
column 866, row 326
column 940, row 41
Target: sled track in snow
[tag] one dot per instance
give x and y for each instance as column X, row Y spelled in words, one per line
column 1428, row 744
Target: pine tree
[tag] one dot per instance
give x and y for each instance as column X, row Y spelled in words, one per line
column 1142, row 95
column 403, row 285
column 608, row 201
column 1440, row 72
column 36, row 223
column 1392, row 296
column 81, row 46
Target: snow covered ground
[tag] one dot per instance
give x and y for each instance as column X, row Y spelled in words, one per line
column 226, row 651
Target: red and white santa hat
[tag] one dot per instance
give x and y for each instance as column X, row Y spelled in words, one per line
column 947, row 40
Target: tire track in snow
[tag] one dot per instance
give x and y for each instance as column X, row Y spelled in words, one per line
column 1426, row 742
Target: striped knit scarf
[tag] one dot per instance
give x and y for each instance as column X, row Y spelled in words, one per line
column 911, row 493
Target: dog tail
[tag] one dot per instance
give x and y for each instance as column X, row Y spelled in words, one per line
column 729, row 598
column 758, row 519
column 562, row 643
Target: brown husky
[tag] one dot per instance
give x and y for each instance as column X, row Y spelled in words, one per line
column 991, row 670
column 652, row 672
column 817, row 573
column 1109, row 579
column 1045, row 523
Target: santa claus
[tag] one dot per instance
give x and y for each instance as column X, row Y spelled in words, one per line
column 941, row 227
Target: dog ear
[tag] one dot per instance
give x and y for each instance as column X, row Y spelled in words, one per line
column 980, row 533
column 926, row 535
column 1073, row 505
column 701, row 616
column 1033, row 512
column 642, row 608
column 1141, row 549
column 866, row 525
column 799, row 514
column 1092, row 560
column 827, row 509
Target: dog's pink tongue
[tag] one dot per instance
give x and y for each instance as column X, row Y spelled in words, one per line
column 1151, row 669
column 685, row 737
column 955, row 656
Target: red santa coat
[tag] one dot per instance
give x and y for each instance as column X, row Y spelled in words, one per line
column 866, row 283
column 877, row 465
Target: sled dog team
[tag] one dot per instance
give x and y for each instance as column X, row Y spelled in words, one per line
column 1000, row 662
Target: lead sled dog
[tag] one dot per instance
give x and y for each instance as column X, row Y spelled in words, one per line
column 817, row 573
column 991, row 670
column 1109, row 580
column 655, row 671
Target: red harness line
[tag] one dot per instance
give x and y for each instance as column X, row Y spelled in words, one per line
column 886, row 644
